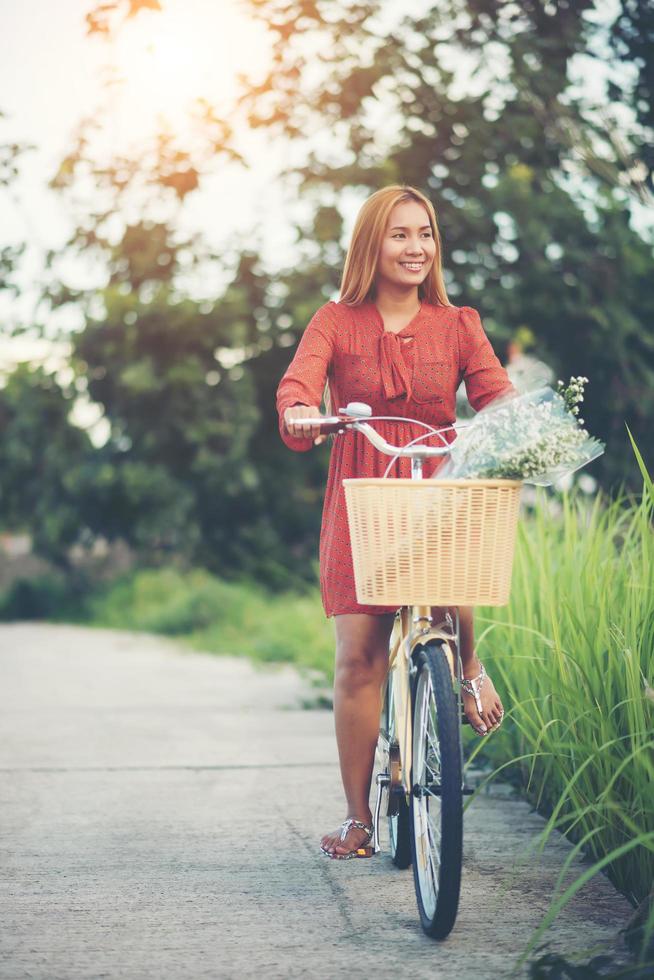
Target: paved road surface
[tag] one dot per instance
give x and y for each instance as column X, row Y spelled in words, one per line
column 160, row 817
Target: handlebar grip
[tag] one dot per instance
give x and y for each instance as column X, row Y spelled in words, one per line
column 326, row 425
column 333, row 425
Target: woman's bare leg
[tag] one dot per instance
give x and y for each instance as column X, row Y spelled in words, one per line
column 490, row 699
column 361, row 665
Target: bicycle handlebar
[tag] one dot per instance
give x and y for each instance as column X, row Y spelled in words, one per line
column 352, row 419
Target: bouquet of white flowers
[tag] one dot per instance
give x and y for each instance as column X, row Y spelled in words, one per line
column 535, row 437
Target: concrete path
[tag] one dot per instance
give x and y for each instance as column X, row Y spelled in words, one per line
column 160, row 817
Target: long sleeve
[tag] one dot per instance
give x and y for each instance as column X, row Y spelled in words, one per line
column 484, row 376
column 303, row 382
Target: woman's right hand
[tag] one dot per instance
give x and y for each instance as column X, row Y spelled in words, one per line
column 295, row 412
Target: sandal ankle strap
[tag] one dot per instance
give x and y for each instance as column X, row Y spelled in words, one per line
column 472, row 685
column 347, row 825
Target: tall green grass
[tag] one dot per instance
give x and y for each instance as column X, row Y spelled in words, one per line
column 573, row 657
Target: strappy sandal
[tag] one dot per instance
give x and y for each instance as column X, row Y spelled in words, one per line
column 472, row 685
column 362, row 851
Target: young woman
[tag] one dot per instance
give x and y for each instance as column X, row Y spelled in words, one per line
column 394, row 341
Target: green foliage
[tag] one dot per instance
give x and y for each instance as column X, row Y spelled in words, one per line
column 11, row 254
column 45, row 597
column 192, row 438
column 42, row 457
column 553, row 966
column 574, row 656
column 219, row 616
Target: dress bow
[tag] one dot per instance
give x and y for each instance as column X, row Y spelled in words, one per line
column 396, row 377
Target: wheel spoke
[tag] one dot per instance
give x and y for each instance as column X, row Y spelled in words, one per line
column 434, row 861
column 435, row 748
column 435, row 849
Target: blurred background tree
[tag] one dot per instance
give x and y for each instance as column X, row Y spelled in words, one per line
column 172, row 375
column 42, row 457
column 542, row 184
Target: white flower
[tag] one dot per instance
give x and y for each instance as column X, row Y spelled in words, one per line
column 533, row 436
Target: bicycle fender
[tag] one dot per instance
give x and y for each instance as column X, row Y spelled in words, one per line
column 440, row 637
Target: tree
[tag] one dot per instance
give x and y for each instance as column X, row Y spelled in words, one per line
column 11, row 254
column 179, row 381
column 41, row 459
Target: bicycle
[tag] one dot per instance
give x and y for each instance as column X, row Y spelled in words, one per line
column 410, row 553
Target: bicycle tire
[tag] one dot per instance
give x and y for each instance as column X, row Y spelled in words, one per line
column 399, row 825
column 436, row 787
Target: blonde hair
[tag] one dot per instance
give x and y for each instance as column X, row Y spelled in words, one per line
column 360, row 269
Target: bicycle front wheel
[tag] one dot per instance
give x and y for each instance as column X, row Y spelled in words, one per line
column 437, row 798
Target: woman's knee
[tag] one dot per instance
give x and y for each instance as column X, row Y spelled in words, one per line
column 357, row 668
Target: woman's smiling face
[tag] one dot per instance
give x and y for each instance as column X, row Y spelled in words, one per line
column 408, row 247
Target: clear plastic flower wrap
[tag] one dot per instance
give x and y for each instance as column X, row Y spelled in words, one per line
column 534, row 437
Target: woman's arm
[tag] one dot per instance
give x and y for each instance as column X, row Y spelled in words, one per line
column 303, row 382
column 484, row 376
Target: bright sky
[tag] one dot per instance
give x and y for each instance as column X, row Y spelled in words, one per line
column 50, row 75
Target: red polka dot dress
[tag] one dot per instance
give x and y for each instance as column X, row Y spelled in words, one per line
column 414, row 372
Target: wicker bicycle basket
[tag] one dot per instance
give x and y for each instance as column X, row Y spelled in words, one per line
column 432, row 542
